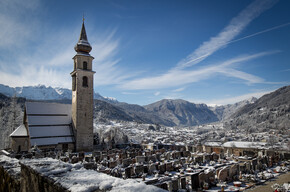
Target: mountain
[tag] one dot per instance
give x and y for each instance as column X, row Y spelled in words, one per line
column 224, row 112
column 271, row 111
column 182, row 112
column 41, row 92
column 104, row 111
column 141, row 114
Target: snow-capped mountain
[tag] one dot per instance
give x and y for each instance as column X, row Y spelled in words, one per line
column 41, row 92
column 224, row 112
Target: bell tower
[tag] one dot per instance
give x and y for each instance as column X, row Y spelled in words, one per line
column 82, row 94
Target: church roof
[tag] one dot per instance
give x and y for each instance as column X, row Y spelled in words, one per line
column 83, row 45
column 21, row 131
column 49, row 123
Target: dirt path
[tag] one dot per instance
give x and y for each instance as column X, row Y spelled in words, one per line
column 281, row 179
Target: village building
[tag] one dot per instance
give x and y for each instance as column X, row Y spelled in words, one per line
column 242, row 148
column 62, row 126
column 212, row 146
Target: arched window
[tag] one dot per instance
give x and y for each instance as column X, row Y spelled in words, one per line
column 85, row 65
column 85, row 81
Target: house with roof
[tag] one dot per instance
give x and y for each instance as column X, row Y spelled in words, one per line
column 62, row 126
column 242, row 148
column 213, row 146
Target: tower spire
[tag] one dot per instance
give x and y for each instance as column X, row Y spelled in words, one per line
column 83, row 45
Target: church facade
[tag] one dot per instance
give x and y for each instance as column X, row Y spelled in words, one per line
column 62, row 126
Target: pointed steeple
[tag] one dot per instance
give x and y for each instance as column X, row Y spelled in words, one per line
column 83, row 46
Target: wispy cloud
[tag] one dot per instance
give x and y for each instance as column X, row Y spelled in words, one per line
column 131, row 93
column 231, row 100
column 157, row 93
column 179, row 89
column 259, row 33
column 178, row 76
column 52, row 68
column 234, row 28
column 108, row 72
column 49, row 62
column 174, row 78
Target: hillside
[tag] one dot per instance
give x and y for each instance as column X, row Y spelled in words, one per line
column 141, row 114
column 271, row 111
column 224, row 112
column 104, row 111
column 11, row 116
column 182, row 112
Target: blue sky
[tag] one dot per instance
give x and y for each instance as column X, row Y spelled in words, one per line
column 213, row 52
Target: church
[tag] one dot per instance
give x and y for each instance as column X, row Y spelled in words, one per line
column 62, row 126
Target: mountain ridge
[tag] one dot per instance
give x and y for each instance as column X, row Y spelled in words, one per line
column 271, row 111
column 168, row 112
column 182, row 112
column 42, row 92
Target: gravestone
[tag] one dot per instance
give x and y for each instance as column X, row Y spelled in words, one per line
column 164, row 186
column 152, row 168
column 161, row 168
column 198, row 159
column 194, row 181
column 74, row 159
column 255, row 164
column 128, row 172
column 182, row 182
column 202, row 177
column 174, row 185
column 223, row 174
column 169, row 166
column 146, row 169
column 126, row 162
column 158, row 156
column 215, row 157
column 233, row 170
column 139, row 169
column 140, row 159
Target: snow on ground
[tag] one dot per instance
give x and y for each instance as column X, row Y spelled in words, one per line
column 76, row 178
column 10, row 164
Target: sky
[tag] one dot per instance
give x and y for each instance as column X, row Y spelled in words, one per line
column 202, row 51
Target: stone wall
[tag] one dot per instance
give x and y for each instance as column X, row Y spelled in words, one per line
column 8, row 181
column 9, row 174
column 17, row 177
column 32, row 181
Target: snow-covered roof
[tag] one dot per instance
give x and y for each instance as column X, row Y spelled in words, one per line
column 37, row 108
column 49, row 123
column 50, row 140
column 49, row 120
column 213, row 144
column 76, row 178
column 244, row 144
column 21, row 131
column 50, row 131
